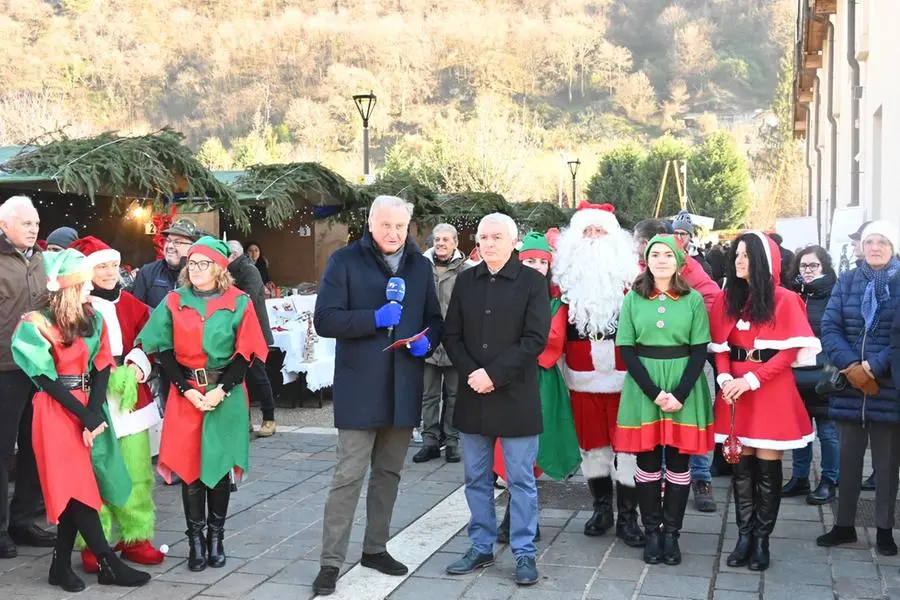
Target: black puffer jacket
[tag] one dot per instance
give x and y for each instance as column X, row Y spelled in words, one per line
column 815, row 295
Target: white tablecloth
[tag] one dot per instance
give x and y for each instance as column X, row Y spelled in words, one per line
column 290, row 333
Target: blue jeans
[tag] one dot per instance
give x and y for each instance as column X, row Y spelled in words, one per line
column 519, row 455
column 826, row 431
column 700, row 468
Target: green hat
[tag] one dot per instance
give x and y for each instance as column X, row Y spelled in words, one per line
column 214, row 249
column 668, row 240
column 66, row 269
column 534, row 245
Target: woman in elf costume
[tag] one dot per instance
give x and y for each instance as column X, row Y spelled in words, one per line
column 130, row 405
column 64, row 349
column 558, row 452
column 206, row 334
column 666, row 405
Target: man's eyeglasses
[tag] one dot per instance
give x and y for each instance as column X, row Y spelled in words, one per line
column 200, row 265
column 181, row 243
column 810, row 266
column 682, row 234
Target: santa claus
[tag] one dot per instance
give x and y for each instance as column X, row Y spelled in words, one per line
column 594, row 265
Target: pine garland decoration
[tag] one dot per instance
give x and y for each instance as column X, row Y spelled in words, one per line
column 279, row 186
column 425, row 206
column 539, row 216
column 155, row 167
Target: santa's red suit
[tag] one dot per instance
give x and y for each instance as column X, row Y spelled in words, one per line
column 594, row 270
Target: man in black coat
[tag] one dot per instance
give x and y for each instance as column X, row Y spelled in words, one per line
column 248, row 280
column 497, row 324
column 377, row 392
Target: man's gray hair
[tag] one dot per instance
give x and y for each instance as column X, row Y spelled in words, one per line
column 500, row 219
column 13, row 204
column 236, row 247
column 389, row 202
column 442, row 227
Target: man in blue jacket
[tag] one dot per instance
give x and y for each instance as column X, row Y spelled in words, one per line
column 377, row 392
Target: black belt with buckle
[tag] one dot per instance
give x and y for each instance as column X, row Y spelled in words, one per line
column 203, row 377
column 663, row 352
column 756, row 355
column 75, row 382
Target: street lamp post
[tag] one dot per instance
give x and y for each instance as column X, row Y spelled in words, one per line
column 573, row 168
column 365, row 103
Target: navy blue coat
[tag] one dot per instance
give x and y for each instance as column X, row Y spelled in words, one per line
column 373, row 388
column 845, row 341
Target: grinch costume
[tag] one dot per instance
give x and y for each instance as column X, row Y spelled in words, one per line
column 663, row 340
column 79, row 462
column 205, row 341
column 133, row 413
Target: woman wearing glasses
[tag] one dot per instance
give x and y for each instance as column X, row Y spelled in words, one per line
column 812, row 276
column 205, row 429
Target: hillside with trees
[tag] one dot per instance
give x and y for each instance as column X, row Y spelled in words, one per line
column 480, row 95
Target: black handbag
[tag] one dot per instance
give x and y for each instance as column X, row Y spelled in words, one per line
column 832, row 381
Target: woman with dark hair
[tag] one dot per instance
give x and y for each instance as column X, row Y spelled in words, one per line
column 64, row 348
column 812, row 276
column 856, row 335
column 759, row 331
column 254, row 252
column 558, row 452
column 665, row 406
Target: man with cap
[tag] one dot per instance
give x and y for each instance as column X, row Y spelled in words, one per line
column 23, row 288
column 130, row 405
column 684, row 230
column 160, row 277
column 59, row 239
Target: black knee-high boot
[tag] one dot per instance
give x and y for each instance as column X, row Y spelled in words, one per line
column 768, row 501
column 61, row 573
column 627, row 528
column 674, row 505
column 215, row 522
column 743, row 488
column 193, row 498
column 602, row 519
column 649, row 496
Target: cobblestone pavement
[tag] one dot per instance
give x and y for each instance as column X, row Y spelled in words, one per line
column 274, row 530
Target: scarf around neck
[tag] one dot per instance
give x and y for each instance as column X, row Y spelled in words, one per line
column 877, row 290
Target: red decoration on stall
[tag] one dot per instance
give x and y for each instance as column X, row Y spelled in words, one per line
column 162, row 222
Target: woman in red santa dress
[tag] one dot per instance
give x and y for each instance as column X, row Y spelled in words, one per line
column 133, row 411
column 594, row 265
column 759, row 331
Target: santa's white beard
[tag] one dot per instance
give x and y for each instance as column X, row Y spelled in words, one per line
column 592, row 274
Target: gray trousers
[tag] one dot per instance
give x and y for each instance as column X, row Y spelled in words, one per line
column 357, row 449
column 439, row 381
column 884, row 440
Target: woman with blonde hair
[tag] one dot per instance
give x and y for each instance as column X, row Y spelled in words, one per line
column 205, row 439
column 64, row 349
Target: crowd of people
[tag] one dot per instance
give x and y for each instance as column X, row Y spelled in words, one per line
column 620, row 354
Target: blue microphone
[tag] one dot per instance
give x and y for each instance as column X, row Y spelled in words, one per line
column 395, row 292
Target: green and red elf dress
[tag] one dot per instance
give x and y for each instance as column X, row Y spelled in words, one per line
column 663, row 340
column 205, row 334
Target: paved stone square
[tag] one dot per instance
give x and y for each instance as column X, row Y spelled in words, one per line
column 274, row 535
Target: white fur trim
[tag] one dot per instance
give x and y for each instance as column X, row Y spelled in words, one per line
column 765, row 242
column 591, row 382
column 138, row 358
column 718, row 348
column 103, row 256
column 594, row 216
column 107, row 310
column 752, row 380
column 626, row 468
column 136, row 421
column 809, row 347
column 770, row 444
column 597, row 462
column 603, row 356
column 723, row 378
column 742, row 325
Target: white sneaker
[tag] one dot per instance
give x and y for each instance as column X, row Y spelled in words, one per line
column 417, row 435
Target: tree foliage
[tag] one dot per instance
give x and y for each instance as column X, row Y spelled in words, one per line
column 718, row 182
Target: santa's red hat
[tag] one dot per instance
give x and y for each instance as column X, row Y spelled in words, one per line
column 97, row 251
column 589, row 214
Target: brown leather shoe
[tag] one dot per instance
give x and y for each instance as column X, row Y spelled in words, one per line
column 267, row 429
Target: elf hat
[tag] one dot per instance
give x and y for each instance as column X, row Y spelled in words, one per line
column 66, row 269
column 535, row 246
column 884, row 228
column 96, row 250
column 594, row 214
column 667, row 240
column 213, row 249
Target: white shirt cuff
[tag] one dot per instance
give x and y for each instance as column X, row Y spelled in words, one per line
column 138, row 358
column 723, row 378
column 752, row 380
